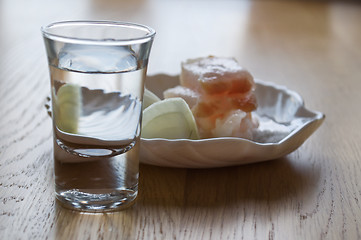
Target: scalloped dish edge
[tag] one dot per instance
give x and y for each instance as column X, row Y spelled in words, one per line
column 188, row 153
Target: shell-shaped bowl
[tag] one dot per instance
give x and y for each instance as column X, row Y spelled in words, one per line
column 285, row 124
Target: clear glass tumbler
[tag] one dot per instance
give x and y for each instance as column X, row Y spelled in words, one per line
column 97, row 71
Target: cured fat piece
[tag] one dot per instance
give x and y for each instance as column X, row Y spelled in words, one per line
column 220, row 94
column 214, row 75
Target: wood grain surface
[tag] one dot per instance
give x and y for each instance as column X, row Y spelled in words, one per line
column 311, row 47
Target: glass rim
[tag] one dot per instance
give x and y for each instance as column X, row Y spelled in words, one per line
column 125, row 41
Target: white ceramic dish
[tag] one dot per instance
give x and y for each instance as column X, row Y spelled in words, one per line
column 285, row 124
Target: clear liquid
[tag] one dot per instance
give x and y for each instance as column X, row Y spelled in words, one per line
column 96, row 121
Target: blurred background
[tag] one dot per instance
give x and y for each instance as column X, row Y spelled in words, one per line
column 255, row 32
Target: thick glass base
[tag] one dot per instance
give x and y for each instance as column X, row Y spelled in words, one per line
column 97, row 200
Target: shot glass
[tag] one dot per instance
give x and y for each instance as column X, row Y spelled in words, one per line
column 97, row 72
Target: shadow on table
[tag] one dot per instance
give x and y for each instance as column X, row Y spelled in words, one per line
column 268, row 183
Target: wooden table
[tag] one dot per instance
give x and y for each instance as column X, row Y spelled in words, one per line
column 311, row 47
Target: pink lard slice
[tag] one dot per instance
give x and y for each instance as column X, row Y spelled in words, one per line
column 214, row 75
